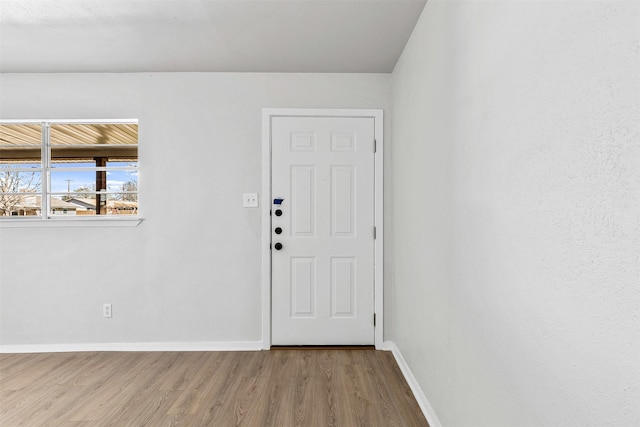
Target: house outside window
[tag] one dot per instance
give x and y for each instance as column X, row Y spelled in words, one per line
column 50, row 169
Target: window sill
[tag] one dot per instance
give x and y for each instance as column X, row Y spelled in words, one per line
column 69, row 222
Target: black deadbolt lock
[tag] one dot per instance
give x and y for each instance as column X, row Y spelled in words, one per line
column 278, row 246
column 278, row 230
column 278, row 212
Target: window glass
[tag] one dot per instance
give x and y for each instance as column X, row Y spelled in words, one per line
column 94, row 169
column 20, row 170
column 116, row 181
column 76, row 145
column 90, row 169
column 20, row 146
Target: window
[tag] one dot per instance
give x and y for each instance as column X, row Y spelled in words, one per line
column 52, row 169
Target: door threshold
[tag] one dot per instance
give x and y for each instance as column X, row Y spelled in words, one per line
column 323, row 347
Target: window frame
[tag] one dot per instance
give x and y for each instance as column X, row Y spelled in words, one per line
column 47, row 218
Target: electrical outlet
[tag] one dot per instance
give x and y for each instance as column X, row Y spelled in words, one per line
column 250, row 200
column 106, row 310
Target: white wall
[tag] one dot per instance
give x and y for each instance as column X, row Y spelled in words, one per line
column 191, row 271
column 516, row 211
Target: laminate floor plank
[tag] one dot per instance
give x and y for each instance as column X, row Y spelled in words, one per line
column 115, row 382
column 221, row 391
column 284, row 387
column 181, row 371
column 213, row 377
column 272, row 406
column 15, row 363
column 140, row 390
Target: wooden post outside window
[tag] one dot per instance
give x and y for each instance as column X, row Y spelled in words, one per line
column 101, row 185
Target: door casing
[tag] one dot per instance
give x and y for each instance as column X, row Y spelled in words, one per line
column 267, row 115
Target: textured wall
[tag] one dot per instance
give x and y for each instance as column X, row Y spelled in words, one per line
column 516, row 211
column 191, row 271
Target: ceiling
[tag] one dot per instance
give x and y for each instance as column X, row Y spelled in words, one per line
column 204, row 35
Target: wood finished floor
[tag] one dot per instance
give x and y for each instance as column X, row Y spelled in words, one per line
column 285, row 387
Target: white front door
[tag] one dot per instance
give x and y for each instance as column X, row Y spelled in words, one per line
column 322, row 224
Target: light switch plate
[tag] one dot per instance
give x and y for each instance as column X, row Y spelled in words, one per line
column 250, row 200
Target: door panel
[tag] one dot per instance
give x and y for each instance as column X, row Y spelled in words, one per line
column 303, row 188
column 323, row 274
column 342, row 201
column 343, row 286
column 303, row 277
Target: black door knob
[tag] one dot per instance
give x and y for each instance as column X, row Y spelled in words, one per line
column 278, row 212
column 278, row 246
column 278, row 230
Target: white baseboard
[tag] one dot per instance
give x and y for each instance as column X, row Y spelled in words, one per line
column 427, row 410
column 386, row 346
column 134, row 346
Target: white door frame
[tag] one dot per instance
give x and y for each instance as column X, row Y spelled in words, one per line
column 267, row 115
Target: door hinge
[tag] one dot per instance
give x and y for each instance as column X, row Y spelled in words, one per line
column 375, row 233
column 375, row 146
column 374, row 319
